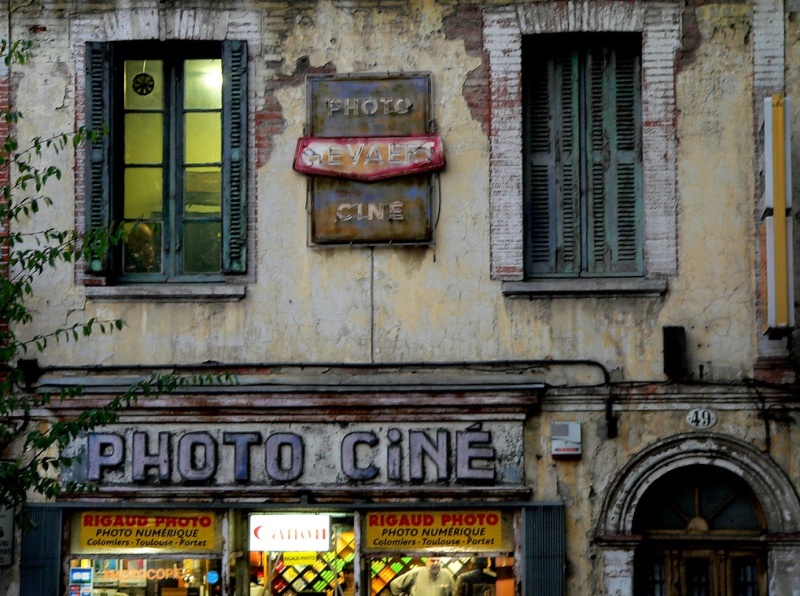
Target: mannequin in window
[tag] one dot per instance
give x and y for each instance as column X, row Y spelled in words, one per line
column 140, row 249
column 430, row 580
column 479, row 581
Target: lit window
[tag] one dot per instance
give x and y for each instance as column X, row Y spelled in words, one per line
column 170, row 169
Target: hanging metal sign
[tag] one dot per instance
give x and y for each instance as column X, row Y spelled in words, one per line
column 370, row 153
column 369, row 158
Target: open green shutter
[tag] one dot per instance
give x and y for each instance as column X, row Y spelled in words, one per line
column 234, row 157
column 98, row 152
column 613, row 149
column 553, row 184
column 544, row 550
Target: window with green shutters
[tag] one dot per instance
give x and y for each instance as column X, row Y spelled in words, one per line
column 582, row 155
column 170, row 165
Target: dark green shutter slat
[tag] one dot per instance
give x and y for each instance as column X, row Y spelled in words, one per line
column 234, row 156
column 98, row 165
column 629, row 256
column 40, row 560
column 553, row 182
column 567, row 194
column 544, row 549
column 615, row 242
column 540, row 182
column 599, row 231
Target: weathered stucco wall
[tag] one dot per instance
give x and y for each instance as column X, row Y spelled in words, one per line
column 438, row 303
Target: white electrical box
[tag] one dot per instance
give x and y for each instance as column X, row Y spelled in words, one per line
column 565, row 439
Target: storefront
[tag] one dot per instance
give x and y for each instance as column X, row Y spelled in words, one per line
column 337, row 553
column 296, row 509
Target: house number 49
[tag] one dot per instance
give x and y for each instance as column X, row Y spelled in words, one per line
column 701, row 418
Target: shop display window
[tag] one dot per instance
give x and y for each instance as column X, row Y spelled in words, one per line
column 151, row 577
column 307, row 573
column 472, row 575
column 438, row 557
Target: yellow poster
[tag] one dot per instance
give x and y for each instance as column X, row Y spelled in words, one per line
column 144, row 531
column 465, row 530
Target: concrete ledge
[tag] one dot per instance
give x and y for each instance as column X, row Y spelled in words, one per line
column 167, row 293
column 586, row 287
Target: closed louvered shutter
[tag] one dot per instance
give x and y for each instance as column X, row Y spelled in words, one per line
column 553, row 189
column 234, row 157
column 583, row 174
column 614, row 235
column 40, row 561
column 544, row 550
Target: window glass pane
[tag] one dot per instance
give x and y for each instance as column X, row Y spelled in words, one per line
column 144, row 138
column 203, row 89
column 143, row 193
column 202, row 247
column 745, row 579
column 651, row 576
column 203, row 195
column 153, row 576
column 459, row 575
column 324, row 573
column 696, row 496
column 144, row 85
column 142, row 253
column 203, row 138
column 698, row 577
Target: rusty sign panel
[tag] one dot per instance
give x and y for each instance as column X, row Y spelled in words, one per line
column 369, row 152
column 369, row 105
column 391, row 210
column 369, row 158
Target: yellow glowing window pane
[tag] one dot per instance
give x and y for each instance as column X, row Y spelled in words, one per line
column 144, row 85
column 203, row 196
column 144, row 138
column 143, row 193
column 203, row 138
column 203, row 89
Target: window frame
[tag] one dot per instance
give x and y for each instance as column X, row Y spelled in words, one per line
column 592, row 204
column 660, row 27
column 105, row 159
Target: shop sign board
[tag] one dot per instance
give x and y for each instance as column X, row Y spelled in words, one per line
column 6, row 537
column 462, row 530
column 369, row 151
column 290, row 532
column 314, row 454
column 128, row 531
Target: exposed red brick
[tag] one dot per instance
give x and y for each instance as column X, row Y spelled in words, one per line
column 269, row 120
column 466, row 23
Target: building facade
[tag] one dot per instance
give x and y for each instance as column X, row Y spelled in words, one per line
column 497, row 283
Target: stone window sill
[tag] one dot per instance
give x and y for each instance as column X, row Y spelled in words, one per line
column 167, row 293
column 585, row 287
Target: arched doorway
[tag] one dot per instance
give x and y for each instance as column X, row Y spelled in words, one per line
column 702, row 528
column 768, row 536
